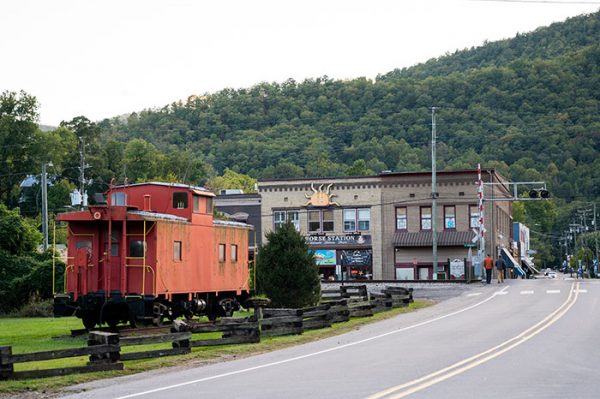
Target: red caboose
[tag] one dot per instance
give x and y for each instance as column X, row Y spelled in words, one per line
column 166, row 257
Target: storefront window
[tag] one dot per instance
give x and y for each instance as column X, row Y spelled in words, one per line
column 474, row 216
column 425, row 218
column 401, row 219
column 450, row 217
column 357, row 264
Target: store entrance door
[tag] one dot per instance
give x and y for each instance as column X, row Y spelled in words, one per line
column 423, row 273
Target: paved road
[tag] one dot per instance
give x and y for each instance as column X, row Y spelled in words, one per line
column 521, row 339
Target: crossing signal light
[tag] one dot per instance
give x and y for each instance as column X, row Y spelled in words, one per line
column 541, row 193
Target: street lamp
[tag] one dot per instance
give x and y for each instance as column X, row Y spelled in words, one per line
column 45, row 203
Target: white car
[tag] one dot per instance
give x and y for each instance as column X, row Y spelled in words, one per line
column 550, row 273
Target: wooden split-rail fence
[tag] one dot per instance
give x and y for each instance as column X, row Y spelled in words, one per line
column 105, row 348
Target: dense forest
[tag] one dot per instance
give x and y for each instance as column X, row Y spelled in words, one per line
column 528, row 106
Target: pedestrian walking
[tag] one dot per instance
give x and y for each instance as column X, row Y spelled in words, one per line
column 500, row 269
column 488, row 264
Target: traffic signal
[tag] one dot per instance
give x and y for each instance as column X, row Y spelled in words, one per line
column 539, row 193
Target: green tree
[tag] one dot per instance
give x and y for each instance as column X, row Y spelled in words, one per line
column 141, row 160
column 286, row 269
column 233, row 180
column 18, row 127
column 18, row 235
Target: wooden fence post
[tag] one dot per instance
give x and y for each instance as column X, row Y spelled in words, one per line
column 6, row 366
column 104, row 338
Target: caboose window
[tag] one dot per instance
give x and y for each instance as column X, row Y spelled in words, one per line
column 234, row 253
column 180, row 200
column 209, row 205
column 221, row 252
column 176, row 250
column 196, row 203
column 118, row 199
column 136, row 249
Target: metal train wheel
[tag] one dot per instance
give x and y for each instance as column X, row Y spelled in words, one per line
column 89, row 321
column 158, row 313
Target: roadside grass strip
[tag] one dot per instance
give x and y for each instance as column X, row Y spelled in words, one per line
column 27, row 335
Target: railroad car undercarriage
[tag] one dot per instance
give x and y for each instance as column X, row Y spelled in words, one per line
column 96, row 309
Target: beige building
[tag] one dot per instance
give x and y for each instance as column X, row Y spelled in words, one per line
column 379, row 227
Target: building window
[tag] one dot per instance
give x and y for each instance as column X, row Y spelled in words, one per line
column 349, row 219
column 221, row 252
column 354, row 218
column 281, row 217
column 364, row 219
column 327, row 220
column 234, row 253
column 196, row 203
column 177, row 250
column 320, row 221
column 314, row 221
column 180, row 200
column 473, row 216
column 401, row 219
column 450, row 217
column 425, row 218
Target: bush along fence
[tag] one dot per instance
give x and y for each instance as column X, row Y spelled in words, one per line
column 105, row 348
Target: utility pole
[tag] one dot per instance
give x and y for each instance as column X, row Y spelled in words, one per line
column 596, row 240
column 45, row 204
column 81, row 169
column 433, row 194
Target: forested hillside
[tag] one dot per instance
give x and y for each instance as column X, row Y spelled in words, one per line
column 528, row 106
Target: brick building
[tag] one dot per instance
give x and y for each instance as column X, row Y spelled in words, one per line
column 379, row 227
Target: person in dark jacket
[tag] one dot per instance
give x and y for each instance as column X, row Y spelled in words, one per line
column 500, row 269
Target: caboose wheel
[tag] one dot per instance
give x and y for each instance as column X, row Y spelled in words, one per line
column 89, row 321
column 158, row 313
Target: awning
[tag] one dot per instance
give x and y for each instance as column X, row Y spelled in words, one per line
column 425, row 239
column 529, row 263
column 511, row 262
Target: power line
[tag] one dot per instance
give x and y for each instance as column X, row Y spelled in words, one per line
column 537, row 1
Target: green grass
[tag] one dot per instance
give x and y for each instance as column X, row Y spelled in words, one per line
column 35, row 334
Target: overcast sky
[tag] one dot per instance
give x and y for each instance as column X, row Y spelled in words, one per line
column 105, row 58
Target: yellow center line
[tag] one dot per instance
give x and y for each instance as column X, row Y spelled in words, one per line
column 478, row 359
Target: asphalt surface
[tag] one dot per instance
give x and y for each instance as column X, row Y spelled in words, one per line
column 520, row 339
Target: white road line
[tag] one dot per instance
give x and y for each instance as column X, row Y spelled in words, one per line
column 582, row 291
column 529, row 292
column 262, row 366
column 552, row 291
column 501, row 292
column 474, row 294
column 419, row 384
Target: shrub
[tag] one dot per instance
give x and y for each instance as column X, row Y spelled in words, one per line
column 36, row 307
column 286, row 271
